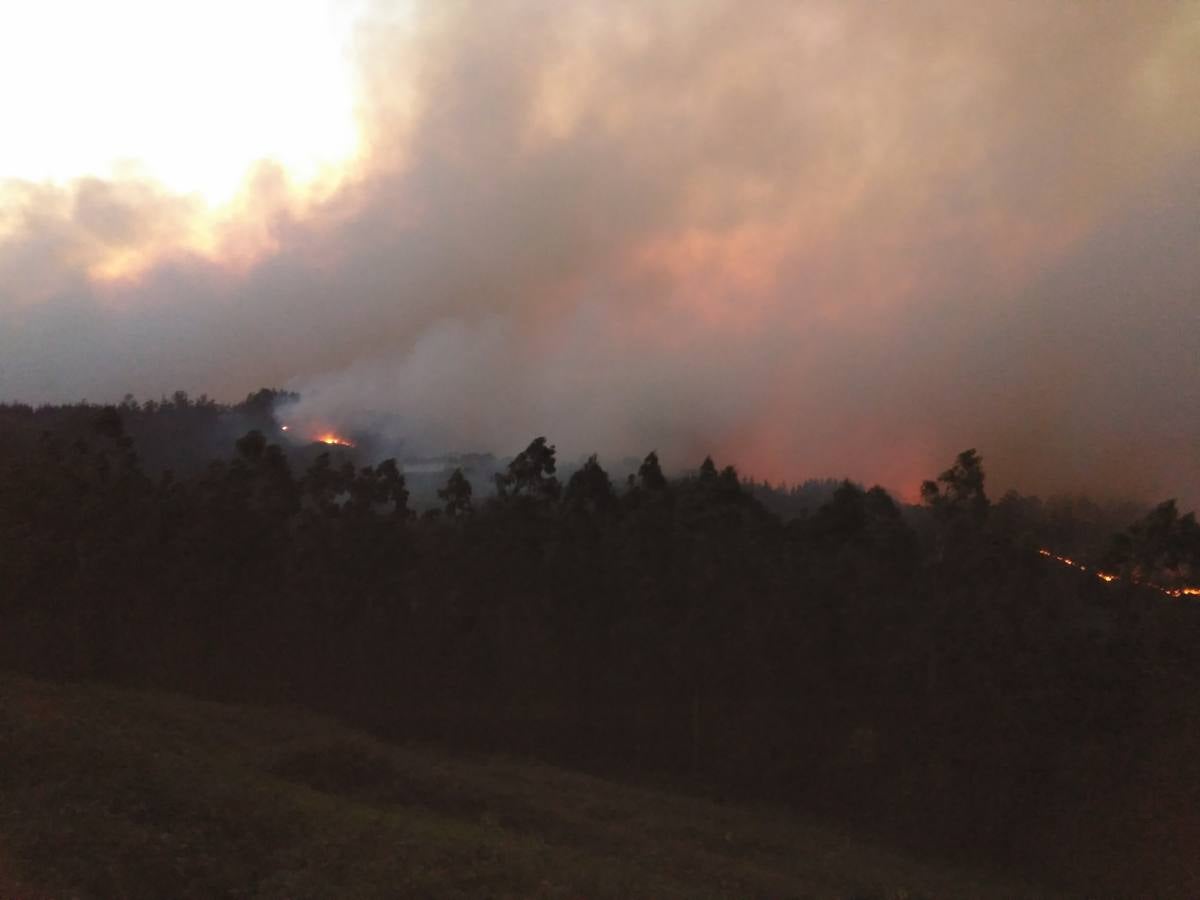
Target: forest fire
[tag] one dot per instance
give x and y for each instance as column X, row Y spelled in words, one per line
column 1186, row 591
column 330, row 438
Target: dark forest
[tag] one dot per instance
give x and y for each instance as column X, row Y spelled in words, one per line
column 921, row 671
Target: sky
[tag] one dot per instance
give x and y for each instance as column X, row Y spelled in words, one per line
column 810, row 238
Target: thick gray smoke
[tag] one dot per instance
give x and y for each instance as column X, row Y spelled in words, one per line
column 809, row 238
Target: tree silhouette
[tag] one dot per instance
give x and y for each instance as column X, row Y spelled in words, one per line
column 1161, row 544
column 958, row 492
column 589, row 489
column 531, row 473
column 650, row 474
column 456, row 495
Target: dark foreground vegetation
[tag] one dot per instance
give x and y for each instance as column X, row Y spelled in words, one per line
column 922, row 673
column 111, row 793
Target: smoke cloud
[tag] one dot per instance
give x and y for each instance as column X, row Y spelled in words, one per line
column 808, row 238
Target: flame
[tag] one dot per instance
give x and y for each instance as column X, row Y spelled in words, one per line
column 1187, row 591
column 333, row 439
column 1182, row 592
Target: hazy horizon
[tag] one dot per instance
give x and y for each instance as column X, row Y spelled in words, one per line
column 808, row 239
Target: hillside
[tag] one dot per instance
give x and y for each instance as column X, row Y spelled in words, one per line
column 113, row 793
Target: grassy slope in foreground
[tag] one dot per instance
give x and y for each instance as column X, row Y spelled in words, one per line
column 113, row 793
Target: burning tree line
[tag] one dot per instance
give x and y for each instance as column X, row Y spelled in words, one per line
column 925, row 671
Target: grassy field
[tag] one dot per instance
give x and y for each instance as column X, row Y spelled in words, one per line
column 110, row 793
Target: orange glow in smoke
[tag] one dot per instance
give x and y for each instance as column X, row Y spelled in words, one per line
column 334, row 440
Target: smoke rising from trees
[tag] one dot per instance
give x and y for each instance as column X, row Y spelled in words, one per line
column 822, row 238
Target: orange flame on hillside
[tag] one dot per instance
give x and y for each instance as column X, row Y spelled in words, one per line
column 333, row 439
column 1186, row 591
